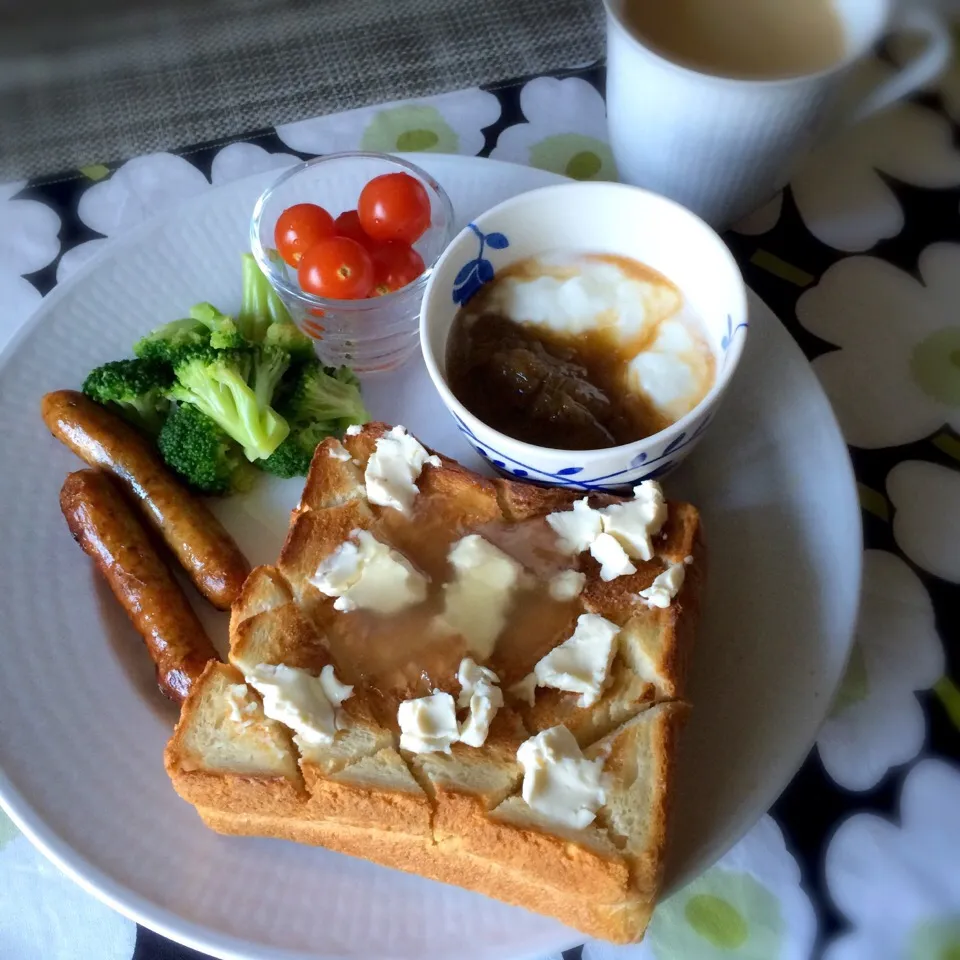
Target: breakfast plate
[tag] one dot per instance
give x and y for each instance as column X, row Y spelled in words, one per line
column 83, row 725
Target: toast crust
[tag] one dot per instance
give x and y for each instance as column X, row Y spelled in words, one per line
column 617, row 922
column 458, row 817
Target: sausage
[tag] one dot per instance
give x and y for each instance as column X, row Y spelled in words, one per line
column 208, row 553
column 112, row 535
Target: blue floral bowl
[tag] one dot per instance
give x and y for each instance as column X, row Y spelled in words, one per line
column 596, row 218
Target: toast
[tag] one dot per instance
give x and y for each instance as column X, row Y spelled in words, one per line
column 456, row 815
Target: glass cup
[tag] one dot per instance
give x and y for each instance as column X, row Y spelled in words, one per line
column 377, row 334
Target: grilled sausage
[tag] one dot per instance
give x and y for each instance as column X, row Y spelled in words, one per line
column 111, row 534
column 207, row 552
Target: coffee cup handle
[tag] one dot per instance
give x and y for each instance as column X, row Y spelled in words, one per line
column 916, row 74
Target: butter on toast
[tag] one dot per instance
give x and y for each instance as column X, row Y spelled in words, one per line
column 457, row 816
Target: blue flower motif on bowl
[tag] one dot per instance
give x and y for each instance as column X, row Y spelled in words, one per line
column 642, row 467
column 727, row 338
column 475, row 273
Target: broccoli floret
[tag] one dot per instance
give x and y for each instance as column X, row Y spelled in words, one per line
column 136, row 389
column 207, row 459
column 292, row 458
column 223, row 331
column 260, row 306
column 323, row 403
column 268, row 365
column 325, row 394
column 288, row 337
column 218, row 382
column 167, row 344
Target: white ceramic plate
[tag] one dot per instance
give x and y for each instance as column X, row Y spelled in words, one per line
column 83, row 727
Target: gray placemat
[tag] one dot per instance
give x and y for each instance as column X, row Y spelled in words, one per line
column 101, row 80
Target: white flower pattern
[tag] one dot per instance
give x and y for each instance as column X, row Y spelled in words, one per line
column 449, row 123
column 28, row 242
column 927, row 519
column 565, row 132
column 839, row 189
column 896, row 378
column 899, row 886
column 152, row 184
column 749, row 906
column 876, row 721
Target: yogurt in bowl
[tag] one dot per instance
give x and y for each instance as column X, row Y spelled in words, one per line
column 583, row 334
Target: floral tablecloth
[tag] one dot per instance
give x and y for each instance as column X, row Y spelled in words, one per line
column 860, row 258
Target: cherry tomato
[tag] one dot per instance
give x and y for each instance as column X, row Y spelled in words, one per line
column 348, row 225
column 337, row 267
column 395, row 264
column 299, row 228
column 394, row 206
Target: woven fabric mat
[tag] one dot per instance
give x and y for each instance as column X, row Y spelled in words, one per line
column 104, row 80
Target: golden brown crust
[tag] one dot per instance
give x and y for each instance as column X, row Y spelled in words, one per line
column 458, row 817
column 463, row 825
column 618, row 922
column 337, row 798
column 265, row 589
column 331, row 482
column 521, row 501
column 281, row 635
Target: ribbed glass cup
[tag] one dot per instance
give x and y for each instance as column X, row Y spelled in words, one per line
column 380, row 333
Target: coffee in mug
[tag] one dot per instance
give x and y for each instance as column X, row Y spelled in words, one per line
column 713, row 102
column 767, row 39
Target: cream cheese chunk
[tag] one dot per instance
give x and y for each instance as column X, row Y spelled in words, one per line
column 634, row 522
column 428, row 724
column 363, row 573
column 526, row 689
column 299, row 700
column 577, row 528
column 613, row 559
column 354, row 430
column 558, row 781
column 479, row 691
column 476, row 601
column 666, row 586
column 581, row 663
column 335, row 691
column 616, row 534
column 566, row 585
column 393, row 469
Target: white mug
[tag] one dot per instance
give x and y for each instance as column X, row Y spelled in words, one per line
column 722, row 146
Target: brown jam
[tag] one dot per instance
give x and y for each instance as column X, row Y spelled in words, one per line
column 550, row 389
column 407, row 654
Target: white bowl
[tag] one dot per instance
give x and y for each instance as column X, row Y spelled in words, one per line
column 593, row 218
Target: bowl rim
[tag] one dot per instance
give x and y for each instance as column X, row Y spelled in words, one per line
column 733, row 353
column 268, row 267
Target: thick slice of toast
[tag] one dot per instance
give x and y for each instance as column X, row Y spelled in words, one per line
column 458, row 817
